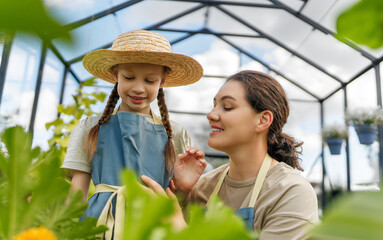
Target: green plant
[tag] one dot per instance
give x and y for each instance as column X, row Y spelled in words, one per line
column 361, row 116
column 362, row 23
column 146, row 218
column 353, row 216
column 334, row 131
column 83, row 103
column 29, row 16
column 33, row 191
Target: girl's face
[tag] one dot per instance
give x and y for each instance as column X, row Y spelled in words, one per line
column 232, row 119
column 138, row 85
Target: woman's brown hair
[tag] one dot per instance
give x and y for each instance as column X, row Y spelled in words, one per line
column 91, row 140
column 265, row 93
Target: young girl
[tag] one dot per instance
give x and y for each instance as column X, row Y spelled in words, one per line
column 259, row 183
column 140, row 64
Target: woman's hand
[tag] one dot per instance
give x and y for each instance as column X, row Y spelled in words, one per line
column 188, row 167
column 177, row 220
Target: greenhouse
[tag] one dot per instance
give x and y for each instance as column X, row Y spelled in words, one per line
column 332, row 82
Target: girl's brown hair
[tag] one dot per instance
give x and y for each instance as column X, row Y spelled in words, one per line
column 91, row 140
column 265, row 93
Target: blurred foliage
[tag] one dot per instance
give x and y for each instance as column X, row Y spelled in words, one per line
column 33, row 191
column 146, row 217
column 354, row 216
column 30, row 16
column 362, row 23
column 71, row 115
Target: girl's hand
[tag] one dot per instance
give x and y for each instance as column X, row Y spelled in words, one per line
column 177, row 220
column 188, row 167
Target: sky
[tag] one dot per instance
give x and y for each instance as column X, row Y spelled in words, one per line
column 217, row 58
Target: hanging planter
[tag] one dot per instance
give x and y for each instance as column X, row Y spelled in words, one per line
column 365, row 122
column 333, row 135
column 366, row 133
column 335, row 145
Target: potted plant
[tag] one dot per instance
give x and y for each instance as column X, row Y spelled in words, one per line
column 365, row 121
column 333, row 135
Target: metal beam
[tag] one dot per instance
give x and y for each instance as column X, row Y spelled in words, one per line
column 321, row 28
column 63, row 81
column 180, row 15
column 38, row 87
column 269, row 67
column 348, row 165
column 152, row 27
column 230, row 3
column 203, row 31
column 323, row 186
column 182, row 38
column 280, row 44
column 8, row 40
column 101, row 14
column 380, row 128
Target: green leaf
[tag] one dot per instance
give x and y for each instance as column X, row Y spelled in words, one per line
column 362, row 23
column 354, row 216
column 90, row 82
column 30, row 16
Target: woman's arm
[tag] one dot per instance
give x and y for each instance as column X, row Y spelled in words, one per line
column 81, row 181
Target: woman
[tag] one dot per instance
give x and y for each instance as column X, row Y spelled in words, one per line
column 260, row 182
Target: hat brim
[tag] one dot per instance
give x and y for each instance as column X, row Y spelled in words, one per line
column 184, row 69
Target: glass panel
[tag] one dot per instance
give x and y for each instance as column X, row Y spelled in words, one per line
column 89, row 37
column 304, row 125
column 200, row 44
column 221, row 22
column 293, row 92
column 294, row 4
column 197, row 97
column 334, row 56
column 77, row 10
column 148, row 13
column 313, row 80
column 20, row 81
column 48, row 99
column 80, row 71
column 275, row 23
column 71, row 86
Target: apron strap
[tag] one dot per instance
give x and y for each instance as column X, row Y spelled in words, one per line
column 219, row 184
column 156, row 119
column 260, row 179
column 106, row 216
column 257, row 185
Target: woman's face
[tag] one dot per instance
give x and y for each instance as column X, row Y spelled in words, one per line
column 138, row 85
column 232, row 119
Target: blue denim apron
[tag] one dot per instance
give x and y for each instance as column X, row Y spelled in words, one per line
column 247, row 213
column 127, row 140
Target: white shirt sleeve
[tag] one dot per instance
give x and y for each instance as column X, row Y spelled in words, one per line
column 75, row 158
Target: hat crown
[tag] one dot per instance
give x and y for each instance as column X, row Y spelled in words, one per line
column 141, row 40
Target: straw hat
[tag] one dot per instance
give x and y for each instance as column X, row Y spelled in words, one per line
column 141, row 46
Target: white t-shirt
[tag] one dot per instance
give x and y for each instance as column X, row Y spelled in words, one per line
column 75, row 158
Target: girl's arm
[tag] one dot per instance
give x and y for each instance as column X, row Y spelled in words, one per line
column 81, row 181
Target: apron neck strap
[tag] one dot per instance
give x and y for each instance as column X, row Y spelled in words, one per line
column 260, row 179
column 257, row 185
column 156, row 119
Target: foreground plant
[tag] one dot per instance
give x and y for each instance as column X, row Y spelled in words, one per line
column 34, row 192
